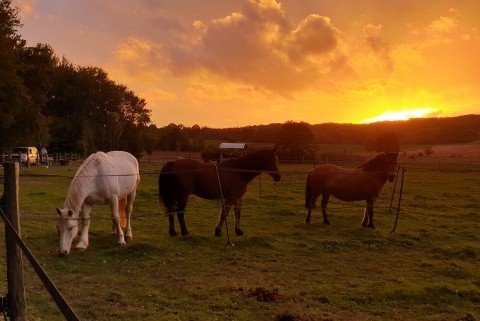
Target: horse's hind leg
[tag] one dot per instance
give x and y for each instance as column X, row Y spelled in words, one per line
column 128, row 216
column 171, row 209
column 171, row 223
column 116, row 220
column 181, row 221
column 181, row 216
column 310, row 206
column 325, row 198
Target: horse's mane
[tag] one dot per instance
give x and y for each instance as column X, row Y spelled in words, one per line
column 248, row 161
column 379, row 162
column 85, row 173
column 375, row 163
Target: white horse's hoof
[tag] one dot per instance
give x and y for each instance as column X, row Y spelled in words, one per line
column 80, row 248
column 123, row 243
column 128, row 238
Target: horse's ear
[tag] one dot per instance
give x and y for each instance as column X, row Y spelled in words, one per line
column 59, row 212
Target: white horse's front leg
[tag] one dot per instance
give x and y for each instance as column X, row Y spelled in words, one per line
column 85, row 215
column 116, row 220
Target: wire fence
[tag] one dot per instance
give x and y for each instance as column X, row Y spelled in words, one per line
column 290, row 170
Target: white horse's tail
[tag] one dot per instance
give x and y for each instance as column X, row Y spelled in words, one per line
column 122, row 212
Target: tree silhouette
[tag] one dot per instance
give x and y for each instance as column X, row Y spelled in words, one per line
column 387, row 143
column 295, row 140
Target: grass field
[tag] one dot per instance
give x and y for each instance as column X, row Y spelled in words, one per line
column 281, row 269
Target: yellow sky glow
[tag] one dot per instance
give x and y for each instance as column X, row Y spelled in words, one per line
column 401, row 115
column 248, row 62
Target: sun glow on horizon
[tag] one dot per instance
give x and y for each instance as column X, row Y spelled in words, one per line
column 404, row 114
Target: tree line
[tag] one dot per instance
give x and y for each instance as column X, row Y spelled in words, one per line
column 300, row 139
column 47, row 101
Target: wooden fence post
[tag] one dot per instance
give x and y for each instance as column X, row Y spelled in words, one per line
column 16, row 291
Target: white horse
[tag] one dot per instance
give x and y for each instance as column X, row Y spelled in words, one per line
column 103, row 178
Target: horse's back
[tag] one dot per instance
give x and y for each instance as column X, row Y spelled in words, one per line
column 184, row 176
column 118, row 170
column 326, row 171
column 343, row 183
column 124, row 161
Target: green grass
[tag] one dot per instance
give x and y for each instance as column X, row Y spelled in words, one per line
column 281, row 269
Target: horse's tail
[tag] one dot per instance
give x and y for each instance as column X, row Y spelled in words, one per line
column 122, row 212
column 165, row 182
column 308, row 193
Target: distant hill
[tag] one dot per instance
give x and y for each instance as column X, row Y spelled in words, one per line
column 419, row 131
column 426, row 131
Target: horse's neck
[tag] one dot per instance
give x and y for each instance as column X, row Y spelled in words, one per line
column 76, row 195
column 250, row 167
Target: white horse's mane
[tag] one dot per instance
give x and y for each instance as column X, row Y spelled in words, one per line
column 85, row 173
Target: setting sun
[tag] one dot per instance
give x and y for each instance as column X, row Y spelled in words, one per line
column 402, row 115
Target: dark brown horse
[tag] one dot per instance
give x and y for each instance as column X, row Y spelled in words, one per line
column 180, row 178
column 363, row 183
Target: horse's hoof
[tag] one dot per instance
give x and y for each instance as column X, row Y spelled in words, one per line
column 128, row 238
column 239, row 231
column 184, row 233
column 326, row 223
column 80, row 248
column 121, row 244
column 307, row 221
column 218, row 232
column 172, row 233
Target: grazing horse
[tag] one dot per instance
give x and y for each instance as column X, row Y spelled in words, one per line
column 363, row 183
column 180, row 178
column 103, row 178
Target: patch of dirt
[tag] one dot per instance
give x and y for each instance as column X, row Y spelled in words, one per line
column 262, row 294
column 291, row 317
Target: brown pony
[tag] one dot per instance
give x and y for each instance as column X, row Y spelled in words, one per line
column 180, row 178
column 364, row 183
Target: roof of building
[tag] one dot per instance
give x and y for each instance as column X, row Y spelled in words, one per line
column 233, row 145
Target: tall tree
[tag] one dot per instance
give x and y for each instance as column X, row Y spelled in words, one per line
column 14, row 99
column 92, row 112
column 39, row 64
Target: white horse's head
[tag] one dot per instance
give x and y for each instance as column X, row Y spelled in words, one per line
column 67, row 227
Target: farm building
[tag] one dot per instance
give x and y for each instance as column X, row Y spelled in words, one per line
column 230, row 150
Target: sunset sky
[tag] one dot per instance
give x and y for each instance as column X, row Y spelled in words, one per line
column 229, row 63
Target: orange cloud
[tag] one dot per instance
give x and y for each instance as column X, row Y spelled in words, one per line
column 258, row 47
column 257, row 62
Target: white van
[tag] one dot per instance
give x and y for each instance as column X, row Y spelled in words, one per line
column 25, row 155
